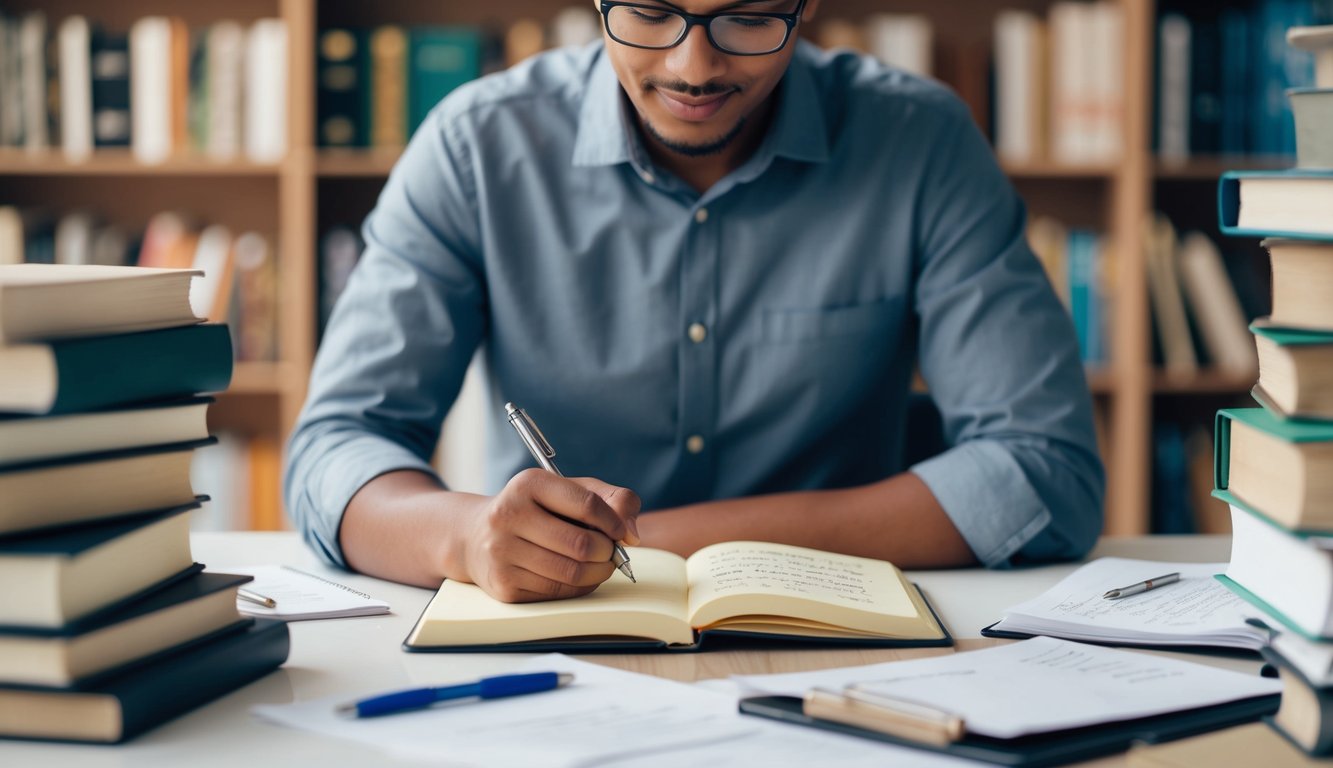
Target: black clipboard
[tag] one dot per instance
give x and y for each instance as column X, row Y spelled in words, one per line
column 1209, row 650
column 1035, row 751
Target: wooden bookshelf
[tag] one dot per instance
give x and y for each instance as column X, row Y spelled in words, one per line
column 312, row 189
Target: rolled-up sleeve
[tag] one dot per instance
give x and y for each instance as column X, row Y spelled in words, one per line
column 1022, row 480
column 398, row 343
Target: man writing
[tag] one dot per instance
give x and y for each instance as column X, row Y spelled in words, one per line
column 706, row 258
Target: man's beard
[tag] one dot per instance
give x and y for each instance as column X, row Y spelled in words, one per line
column 696, row 150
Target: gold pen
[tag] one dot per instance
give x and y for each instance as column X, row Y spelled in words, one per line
column 541, row 450
column 254, row 597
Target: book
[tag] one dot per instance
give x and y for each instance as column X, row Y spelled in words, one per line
column 1284, row 469
column 225, row 67
column 186, row 611
column 1319, row 41
column 53, row 301
column 301, row 595
column 1312, row 109
column 76, row 90
column 440, row 59
column 81, row 489
column 1312, row 658
column 339, row 74
column 1203, row 613
column 1167, row 298
column 68, row 375
column 1289, row 571
column 27, row 439
column 151, row 89
column 387, row 78
column 903, row 41
column 111, row 89
column 254, row 298
column 1295, row 372
column 120, row 707
column 1252, row 744
column 743, row 589
column 73, row 572
column 1306, row 713
column 1290, row 204
column 1215, row 305
column 1302, row 273
column 264, row 113
column 1020, row 74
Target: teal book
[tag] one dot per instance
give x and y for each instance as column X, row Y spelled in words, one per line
column 440, row 60
column 114, row 709
column 1294, row 365
column 86, row 374
column 1280, row 467
column 1295, row 204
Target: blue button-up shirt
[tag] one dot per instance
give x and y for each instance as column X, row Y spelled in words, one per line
column 870, row 233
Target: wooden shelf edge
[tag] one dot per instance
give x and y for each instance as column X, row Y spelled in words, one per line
column 355, row 164
column 1203, row 382
column 123, row 163
column 1046, row 169
column 1211, row 168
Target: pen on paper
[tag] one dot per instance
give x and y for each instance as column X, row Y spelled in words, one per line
column 485, row 688
column 541, row 450
column 251, row 596
column 1142, row 586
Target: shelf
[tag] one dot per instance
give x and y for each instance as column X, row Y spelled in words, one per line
column 356, row 164
column 1204, row 382
column 273, row 379
column 123, row 163
column 1047, row 169
column 1211, row 168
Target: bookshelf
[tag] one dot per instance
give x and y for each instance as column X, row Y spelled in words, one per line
column 311, row 189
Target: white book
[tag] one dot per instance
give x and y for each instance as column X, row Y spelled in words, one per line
column 1173, row 88
column 150, row 89
column 32, row 63
column 301, row 595
column 76, row 88
column 1292, row 574
column 1105, row 31
column 1216, row 307
column 1068, row 86
column 265, row 112
column 1018, row 92
column 212, row 257
column 11, row 115
column 226, row 73
column 74, row 238
column 576, row 25
column 904, row 41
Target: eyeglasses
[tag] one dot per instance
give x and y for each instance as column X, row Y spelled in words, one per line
column 738, row 34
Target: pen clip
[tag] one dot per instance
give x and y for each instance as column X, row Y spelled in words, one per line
column 530, row 432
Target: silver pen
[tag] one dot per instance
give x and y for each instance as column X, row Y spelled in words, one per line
column 541, row 450
column 251, row 596
column 1142, row 586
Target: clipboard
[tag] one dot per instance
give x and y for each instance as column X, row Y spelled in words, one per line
column 1046, row 749
column 1207, row 650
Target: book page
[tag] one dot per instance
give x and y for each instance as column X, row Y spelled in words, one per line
column 752, row 578
column 654, row 608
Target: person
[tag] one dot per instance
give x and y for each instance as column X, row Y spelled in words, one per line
column 705, row 256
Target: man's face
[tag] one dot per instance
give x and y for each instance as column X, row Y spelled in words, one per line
column 694, row 99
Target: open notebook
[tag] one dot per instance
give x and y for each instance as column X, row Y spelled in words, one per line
column 748, row 590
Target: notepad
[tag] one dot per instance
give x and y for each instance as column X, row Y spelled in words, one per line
column 301, row 595
column 1196, row 611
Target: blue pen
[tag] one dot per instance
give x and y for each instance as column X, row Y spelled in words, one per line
column 486, row 688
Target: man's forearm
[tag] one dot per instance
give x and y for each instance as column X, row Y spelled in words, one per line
column 898, row 520
column 404, row 526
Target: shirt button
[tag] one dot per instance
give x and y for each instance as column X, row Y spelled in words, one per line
column 647, row 177
column 698, row 332
column 701, row 215
column 695, row 444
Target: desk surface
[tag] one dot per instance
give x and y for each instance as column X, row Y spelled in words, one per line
column 360, row 654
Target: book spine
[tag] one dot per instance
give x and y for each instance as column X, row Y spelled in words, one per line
column 388, row 97
column 338, row 123
column 114, row 370
column 440, row 60
column 111, row 90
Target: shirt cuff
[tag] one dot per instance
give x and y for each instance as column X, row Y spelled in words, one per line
column 986, row 494
column 343, row 471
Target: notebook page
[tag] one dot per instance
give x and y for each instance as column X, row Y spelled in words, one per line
column 301, row 595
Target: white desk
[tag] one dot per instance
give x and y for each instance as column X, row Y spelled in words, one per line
column 364, row 654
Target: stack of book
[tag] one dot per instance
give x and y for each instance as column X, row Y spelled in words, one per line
column 1274, row 465
column 108, row 626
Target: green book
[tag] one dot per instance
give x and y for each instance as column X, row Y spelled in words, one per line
column 1282, row 468
column 85, row 374
column 1294, row 365
column 439, row 60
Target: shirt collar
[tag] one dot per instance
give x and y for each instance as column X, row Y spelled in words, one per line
column 607, row 134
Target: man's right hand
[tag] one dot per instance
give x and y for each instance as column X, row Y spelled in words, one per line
column 519, row 550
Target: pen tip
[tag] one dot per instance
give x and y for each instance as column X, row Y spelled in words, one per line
column 1112, row 594
column 346, row 710
column 563, row 679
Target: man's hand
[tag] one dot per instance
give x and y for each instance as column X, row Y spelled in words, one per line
column 519, row 549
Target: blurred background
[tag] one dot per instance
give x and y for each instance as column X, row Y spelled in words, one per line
column 253, row 137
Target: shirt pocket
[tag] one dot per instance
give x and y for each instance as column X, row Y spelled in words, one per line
column 826, row 324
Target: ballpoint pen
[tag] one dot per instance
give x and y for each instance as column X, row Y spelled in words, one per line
column 542, row 451
column 1142, row 586
column 486, row 688
column 255, row 597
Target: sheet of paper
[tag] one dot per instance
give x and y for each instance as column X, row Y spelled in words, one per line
column 1036, row 686
column 1198, row 607
column 301, row 595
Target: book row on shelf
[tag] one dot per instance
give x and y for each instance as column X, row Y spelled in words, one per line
column 1272, row 463
column 117, row 628
column 158, row 88
column 1222, row 76
column 240, row 281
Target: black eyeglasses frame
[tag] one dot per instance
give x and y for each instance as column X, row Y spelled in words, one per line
column 695, row 20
